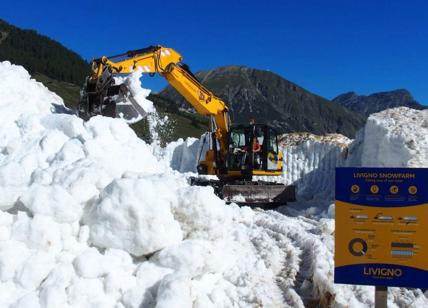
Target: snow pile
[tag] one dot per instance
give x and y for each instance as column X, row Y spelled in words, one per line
column 392, row 138
column 136, row 225
column 91, row 216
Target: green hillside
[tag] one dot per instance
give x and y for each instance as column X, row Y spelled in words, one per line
column 40, row 54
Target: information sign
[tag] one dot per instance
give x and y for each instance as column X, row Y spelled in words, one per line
column 381, row 235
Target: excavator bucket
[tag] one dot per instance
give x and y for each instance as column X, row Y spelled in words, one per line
column 105, row 97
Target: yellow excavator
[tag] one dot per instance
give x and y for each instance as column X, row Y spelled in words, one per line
column 234, row 153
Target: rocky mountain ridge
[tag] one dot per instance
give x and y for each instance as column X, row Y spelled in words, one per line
column 368, row 104
column 269, row 98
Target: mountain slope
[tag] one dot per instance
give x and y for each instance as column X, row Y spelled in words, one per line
column 368, row 104
column 40, row 54
column 267, row 97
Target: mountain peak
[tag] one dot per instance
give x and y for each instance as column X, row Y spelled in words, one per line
column 346, row 96
column 375, row 102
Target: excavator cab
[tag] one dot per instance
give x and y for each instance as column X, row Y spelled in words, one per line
column 253, row 150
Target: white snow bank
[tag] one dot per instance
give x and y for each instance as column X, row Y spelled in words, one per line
column 393, row 138
column 36, row 99
column 135, row 215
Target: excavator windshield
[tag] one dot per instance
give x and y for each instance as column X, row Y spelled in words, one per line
column 253, row 150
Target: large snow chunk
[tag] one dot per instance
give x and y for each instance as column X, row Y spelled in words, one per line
column 192, row 257
column 135, row 215
column 40, row 232
column 12, row 180
column 6, row 221
column 183, row 154
column 148, row 277
column 200, row 211
column 134, row 85
column 13, row 254
column 92, row 264
column 35, row 269
column 114, row 146
column 30, row 300
column 52, row 201
column 175, row 290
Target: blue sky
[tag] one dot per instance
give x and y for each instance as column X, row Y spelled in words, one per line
column 328, row 47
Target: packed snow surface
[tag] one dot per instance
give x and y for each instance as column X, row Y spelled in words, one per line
column 393, row 138
column 91, row 216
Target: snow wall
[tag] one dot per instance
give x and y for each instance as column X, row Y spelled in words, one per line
column 392, row 138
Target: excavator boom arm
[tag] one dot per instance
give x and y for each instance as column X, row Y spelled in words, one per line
column 167, row 62
column 153, row 59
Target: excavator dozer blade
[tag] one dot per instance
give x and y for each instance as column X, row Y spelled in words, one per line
column 263, row 194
